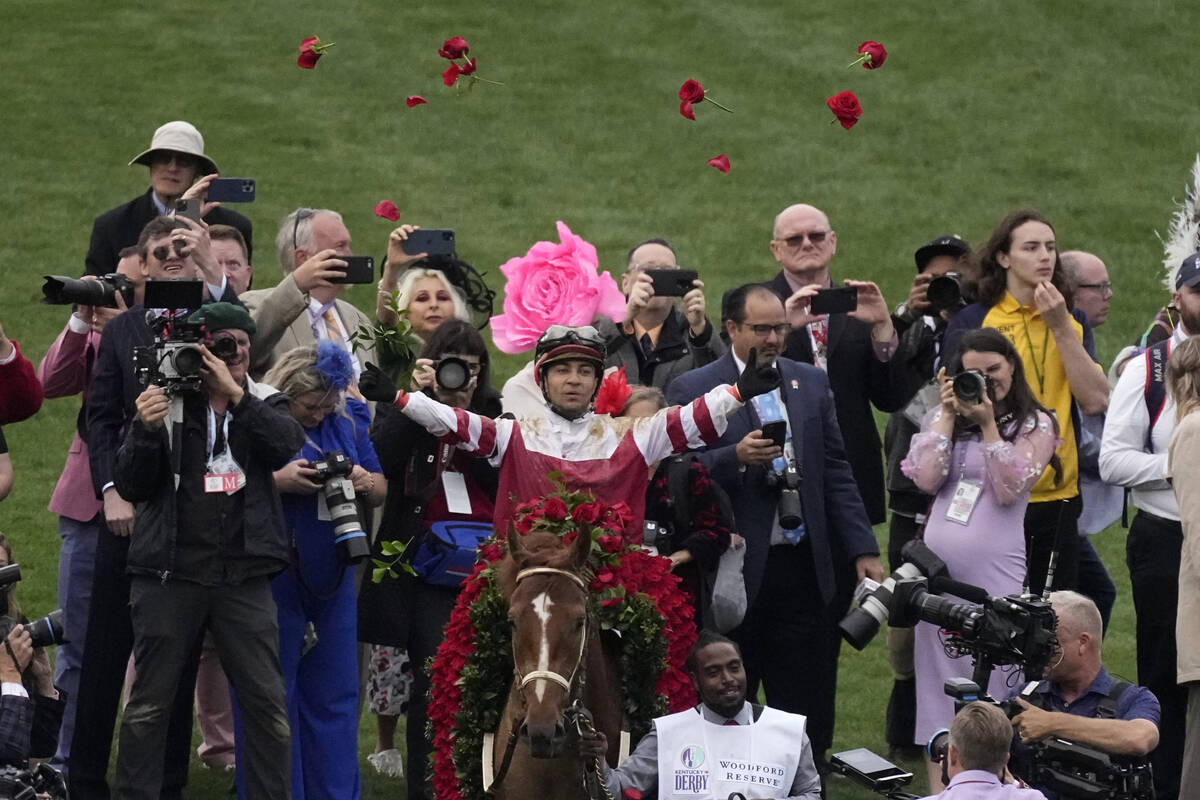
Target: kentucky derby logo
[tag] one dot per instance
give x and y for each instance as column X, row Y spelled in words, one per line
column 692, row 756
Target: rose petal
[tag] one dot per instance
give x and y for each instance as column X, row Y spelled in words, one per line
column 467, row 68
column 387, row 209
column 414, row 100
column 685, row 108
column 308, row 59
column 451, row 74
column 720, row 162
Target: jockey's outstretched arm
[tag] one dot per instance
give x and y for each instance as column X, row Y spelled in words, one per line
column 472, row 433
column 690, row 427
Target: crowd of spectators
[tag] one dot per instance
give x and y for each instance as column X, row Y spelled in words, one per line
column 201, row 559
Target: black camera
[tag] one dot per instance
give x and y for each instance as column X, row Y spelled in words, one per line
column 59, row 290
column 45, row 631
column 452, row 373
column 788, row 483
column 174, row 360
column 970, row 386
column 944, row 293
column 333, row 472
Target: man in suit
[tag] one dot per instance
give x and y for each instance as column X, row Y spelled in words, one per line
column 304, row 307
column 167, row 248
column 855, row 349
column 798, row 580
column 176, row 159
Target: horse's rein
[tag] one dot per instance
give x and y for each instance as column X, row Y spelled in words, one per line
column 545, row 674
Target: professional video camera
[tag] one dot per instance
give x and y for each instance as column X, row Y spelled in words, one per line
column 41, row 782
column 44, row 631
column 175, row 359
column 333, row 472
column 59, row 290
column 1017, row 629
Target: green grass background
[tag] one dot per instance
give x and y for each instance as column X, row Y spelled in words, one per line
column 1087, row 111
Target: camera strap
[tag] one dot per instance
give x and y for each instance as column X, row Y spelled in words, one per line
column 222, row 472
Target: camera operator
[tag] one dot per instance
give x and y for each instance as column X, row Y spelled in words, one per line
column 980, row 453
column 1079, row 700
column 976, row 759
column 659, row 339
column 920, row 321
column 206, row 542
column 65, row 371
column 315, row 596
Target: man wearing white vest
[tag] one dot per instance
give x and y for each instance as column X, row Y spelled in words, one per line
column 723, row 745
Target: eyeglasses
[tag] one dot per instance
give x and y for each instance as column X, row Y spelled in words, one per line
column 762, row 331
column 301, row 213
column 162, row 252
column 1105, row 287
column 164, row 157
column 796, row 241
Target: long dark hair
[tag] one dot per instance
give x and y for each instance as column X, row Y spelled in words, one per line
column 1019, row 402
column 460, row 337
column 993, row 278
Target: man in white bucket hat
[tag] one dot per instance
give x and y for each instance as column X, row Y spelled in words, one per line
column 176, row 159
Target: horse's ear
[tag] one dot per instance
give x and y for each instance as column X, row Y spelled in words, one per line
column 516, row 546
column 581, row 548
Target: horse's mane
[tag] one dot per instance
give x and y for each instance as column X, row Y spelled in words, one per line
column 540, row 549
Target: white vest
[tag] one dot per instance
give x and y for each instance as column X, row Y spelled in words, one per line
column 700, row 760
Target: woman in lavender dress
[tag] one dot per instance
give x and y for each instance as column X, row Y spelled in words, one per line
column 980, row 459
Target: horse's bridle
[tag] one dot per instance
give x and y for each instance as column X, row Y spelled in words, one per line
column 545, row 674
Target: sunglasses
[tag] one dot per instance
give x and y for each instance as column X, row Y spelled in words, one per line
column 163, row 252
column 301, row 213
column 797, row 241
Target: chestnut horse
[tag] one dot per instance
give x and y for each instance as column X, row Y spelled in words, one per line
column 560, row 661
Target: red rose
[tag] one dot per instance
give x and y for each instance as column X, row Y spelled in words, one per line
column 845, row 107
column 691, row 91
column 720, row 162
column 555, row 509
column 414, row 100
column 875, row 54
column 524, row 525
column 387, row 209
column 451, row 74
column 685, row 108
column 588, row 513
column 311, row 50
column 467, row 68
column 454, row 48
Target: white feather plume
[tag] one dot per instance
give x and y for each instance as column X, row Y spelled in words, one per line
column 1183, row 235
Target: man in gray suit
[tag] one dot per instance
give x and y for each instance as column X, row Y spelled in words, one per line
column 304, row 307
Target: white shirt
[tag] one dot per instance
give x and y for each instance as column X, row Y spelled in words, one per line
column 1123, row 457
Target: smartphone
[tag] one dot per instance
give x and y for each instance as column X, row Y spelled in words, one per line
column 870, row 768
column 231, row 190
column 434, row 241
column 776, row 432
column 834, row 301
column 359, row 269
column 672, row 282
column 189, row 207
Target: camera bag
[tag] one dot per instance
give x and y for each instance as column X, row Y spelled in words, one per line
column 448, row 551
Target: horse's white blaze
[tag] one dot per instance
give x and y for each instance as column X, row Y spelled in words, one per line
column 541, row 607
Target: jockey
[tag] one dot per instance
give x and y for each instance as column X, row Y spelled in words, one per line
column 609, row 457
column 723, row 745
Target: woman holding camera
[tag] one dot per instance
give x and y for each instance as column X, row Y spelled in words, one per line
column 979, row 453
column 315, row 595
column 433, row 485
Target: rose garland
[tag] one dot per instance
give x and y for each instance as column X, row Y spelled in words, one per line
column 634, row 593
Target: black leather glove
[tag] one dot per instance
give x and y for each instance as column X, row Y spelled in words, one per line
column 374, row 384
column 756, row 378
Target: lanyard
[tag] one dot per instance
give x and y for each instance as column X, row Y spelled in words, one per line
column 1038, row 369
column 212, row 433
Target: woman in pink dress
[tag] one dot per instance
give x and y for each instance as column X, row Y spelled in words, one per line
column 979, row 453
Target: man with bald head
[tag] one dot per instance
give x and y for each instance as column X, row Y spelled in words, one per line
column 855, row 349
column 1089, row 279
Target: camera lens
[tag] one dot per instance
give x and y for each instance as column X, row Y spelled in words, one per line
column 452, row 374
column 187, row 360
column 944, row 292
column 969, row 386
column 224, row 348
column 48, row 630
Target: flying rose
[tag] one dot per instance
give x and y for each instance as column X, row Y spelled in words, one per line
column 414, row 100
column 553, row 284
column 468, row 68
column 692, row 92
column 387, row 209
column 454, row 48
column 845, row 107
column 311, row 49
column 873, row 55
column 720, row 162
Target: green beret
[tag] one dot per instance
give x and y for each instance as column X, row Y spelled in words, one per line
column 221, row 316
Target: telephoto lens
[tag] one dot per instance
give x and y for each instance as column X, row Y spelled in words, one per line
column 969, row 386
column 945, row 292
column 937, row 746
column 48, row 630
column 452, row 374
